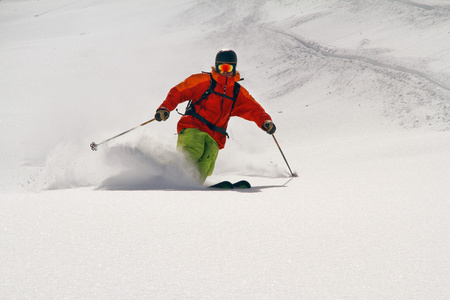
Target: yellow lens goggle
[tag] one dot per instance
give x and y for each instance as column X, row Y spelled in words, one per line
column 225, row 68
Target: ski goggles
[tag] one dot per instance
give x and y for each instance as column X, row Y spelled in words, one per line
column 225, row 68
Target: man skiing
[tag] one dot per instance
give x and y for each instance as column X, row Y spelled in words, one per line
column 214, row 98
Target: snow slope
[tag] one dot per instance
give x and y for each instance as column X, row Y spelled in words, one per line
column 359, row 91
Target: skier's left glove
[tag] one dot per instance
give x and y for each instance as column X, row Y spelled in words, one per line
column 269, row 127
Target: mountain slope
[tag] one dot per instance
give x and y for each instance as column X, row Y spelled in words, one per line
column 358, row 90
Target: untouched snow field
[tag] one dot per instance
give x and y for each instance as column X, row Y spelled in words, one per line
column 360, row 94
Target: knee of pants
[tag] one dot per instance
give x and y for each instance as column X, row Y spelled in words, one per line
column 192, row 142
column 211, row 150
column 207, row 162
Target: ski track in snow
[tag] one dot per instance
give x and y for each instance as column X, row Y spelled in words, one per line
column 334, row 53
column 415, row 4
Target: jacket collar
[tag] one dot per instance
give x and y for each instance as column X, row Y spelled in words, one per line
column 222, row 79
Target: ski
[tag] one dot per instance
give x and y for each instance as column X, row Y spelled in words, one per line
column 243, row 184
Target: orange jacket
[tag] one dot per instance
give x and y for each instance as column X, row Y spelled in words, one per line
column 215, row 108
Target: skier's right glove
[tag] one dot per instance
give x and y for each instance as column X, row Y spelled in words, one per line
column 162, row 114
column 269, row 127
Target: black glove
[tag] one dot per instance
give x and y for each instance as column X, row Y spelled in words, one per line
column 269, row 127
column 162, row 114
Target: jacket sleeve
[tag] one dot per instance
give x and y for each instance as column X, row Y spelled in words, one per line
column 191, row 88
column 246, row 107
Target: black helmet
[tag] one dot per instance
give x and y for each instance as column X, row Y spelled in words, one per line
column 226, row 56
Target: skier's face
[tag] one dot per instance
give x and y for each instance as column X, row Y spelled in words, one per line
column 227, row 74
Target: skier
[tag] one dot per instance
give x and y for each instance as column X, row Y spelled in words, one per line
column 214, row 98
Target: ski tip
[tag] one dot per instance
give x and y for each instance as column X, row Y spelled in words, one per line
column 243, row 184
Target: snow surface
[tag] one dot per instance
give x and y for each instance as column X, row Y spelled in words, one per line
column 359, row 91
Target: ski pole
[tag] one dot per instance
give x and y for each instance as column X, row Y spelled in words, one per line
column 94, row 145
column 276, row 142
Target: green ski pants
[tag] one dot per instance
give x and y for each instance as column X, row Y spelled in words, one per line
column 201, row 148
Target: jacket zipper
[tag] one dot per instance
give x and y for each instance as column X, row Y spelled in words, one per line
column 223, row 98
